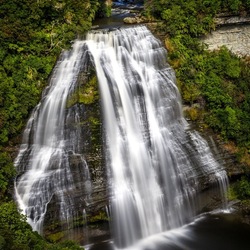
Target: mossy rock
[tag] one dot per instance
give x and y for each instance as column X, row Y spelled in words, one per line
column 56, row 237
column 100, row 217
column 80, row 221
column 86, row 94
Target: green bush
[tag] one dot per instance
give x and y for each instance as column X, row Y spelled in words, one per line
column 7, row 173
column 16, row 233
column 242, row 188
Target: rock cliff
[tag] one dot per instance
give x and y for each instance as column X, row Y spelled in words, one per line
column 231, row 31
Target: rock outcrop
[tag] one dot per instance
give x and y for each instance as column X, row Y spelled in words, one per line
column 233, row 32
column 229, row 19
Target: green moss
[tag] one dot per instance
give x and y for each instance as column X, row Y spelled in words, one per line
column 94, row 121
column 56, row 237
column 88, row 97
column 246, row 203
column 72, row 100
column 231, row 194
column 100, row 217
column 89, row 92
column 53, row 225
column 80, row 221
column 85, row 94
column 192, row 113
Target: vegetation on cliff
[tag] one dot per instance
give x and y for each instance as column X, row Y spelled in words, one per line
column 216, row 85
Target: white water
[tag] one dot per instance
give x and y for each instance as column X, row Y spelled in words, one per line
column 43, row 159
column 154, row 160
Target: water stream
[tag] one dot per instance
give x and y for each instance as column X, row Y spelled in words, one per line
column 156, row 161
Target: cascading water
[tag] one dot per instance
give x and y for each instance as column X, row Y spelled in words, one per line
column 155, row 161
column 44, row 159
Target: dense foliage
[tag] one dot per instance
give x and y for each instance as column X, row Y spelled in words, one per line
column 32, row 35
column 242, row 189
column 216, row 85
column 16, row 234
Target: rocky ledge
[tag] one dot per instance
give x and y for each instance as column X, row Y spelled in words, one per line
column 224, row 19
column 232, row 31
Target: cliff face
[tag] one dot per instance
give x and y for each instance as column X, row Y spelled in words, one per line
column 232, row 32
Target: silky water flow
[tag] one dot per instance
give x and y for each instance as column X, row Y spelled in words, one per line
column 154, row 160
column 43, row 162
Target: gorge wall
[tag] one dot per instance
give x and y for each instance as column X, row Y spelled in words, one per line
column 232, row 32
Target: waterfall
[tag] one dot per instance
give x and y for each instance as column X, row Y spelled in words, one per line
column 47, row 150
column 154, row 160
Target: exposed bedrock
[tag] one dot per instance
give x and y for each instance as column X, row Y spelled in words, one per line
column 231, row 31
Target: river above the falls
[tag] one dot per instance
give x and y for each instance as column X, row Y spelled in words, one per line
column 118, row 12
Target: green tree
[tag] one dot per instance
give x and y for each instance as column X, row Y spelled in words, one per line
column 16, row 233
